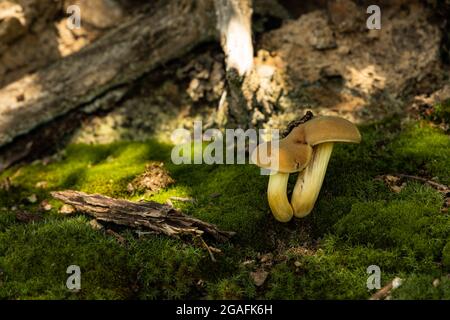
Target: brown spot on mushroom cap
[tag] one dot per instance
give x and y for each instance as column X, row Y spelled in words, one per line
column 330, row 129
column 293, row 155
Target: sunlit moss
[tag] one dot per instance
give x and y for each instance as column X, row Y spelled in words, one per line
column 357, row 221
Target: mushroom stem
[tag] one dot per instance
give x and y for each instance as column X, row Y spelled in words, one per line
column 277, row 196
column 309, row 182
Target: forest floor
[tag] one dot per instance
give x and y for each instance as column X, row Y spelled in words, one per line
column 360, row 219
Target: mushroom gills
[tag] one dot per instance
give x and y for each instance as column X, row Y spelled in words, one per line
column 309, row 181
column 277, row 197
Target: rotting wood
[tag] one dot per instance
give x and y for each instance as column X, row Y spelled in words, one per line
column 101, row 74
column 135, row 47
column 159, row 218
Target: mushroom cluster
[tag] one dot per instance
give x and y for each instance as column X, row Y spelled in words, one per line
column 307, row 150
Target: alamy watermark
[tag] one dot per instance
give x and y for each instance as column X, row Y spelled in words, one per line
column 74, row 20
column 214, row 146
column 73, row 282
column 374, row 280
column 374, row 20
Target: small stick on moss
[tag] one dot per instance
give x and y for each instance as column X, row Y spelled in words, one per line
column 386, row 290
column 157, row 217
column 181, row 199
column 438, row 186
column 211, row 255
column 119, row 238
column 442, row 188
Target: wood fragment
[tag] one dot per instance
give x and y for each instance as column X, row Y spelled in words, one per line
column 211, row 255
column 159, row 218
column 438, row 186
column 386, row 290
column 181, row 199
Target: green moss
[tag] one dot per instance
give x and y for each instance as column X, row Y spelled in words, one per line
column 238, row 286
column 165, row 269
column 420, row 286
column 446, row 256
column 6, row 219
column 357, row 222
column 34, row 259
column 422, row 147
column 440, row 112
column 407, row 225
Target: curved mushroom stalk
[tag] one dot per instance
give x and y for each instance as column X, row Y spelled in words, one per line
column 277, row 196
column 309, row 182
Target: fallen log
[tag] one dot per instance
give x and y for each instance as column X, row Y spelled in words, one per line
column 159, row 218
column 135, row 47
column 102, row 74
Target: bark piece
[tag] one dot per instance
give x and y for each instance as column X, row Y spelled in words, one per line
column 160, row 218
column 384, row 292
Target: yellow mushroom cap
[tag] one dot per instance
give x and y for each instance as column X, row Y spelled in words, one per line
column 293, row 154
column 330, row 129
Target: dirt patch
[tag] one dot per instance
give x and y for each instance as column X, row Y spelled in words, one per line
column 336, row 65
column 154, row 178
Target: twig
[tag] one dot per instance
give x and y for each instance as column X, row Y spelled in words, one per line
column 386, row 290
column 181, row 199
column 117, row 236
column 293, row 124
column 441, row 188
column 213, row 259
column 437, row 186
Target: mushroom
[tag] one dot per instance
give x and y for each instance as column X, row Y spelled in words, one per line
column 291, row 155
column 307, row 147
column 320, row 133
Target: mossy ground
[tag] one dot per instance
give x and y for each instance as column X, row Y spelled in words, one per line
column 357, row 222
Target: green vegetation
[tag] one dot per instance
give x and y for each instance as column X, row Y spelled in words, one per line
column 358, row 221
